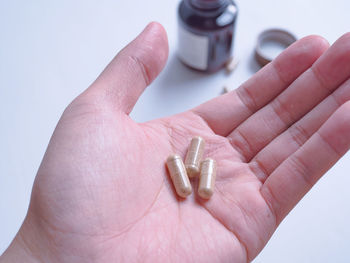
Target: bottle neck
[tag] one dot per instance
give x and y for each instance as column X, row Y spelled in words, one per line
column 207, row 4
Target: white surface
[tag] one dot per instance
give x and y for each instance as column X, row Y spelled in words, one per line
column 50, row 51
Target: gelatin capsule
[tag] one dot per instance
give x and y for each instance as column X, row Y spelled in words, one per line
column 194, row 156
column 231, row 65
column 179, row 176
column 207, row 178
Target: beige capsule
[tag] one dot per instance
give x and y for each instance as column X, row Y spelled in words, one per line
column 179, row 176
column 231, row 65
column 194, row 156
column 207, row 178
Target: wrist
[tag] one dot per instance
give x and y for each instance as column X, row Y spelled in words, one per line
column 27, row 246
column 18, row 251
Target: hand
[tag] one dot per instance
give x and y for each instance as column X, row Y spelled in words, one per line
column 102, row 193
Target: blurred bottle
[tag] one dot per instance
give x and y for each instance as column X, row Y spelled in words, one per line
column 205, row 33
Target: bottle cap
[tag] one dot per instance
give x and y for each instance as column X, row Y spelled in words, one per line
column 270, row 41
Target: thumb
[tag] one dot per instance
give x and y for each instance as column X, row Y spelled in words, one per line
column 132, row 70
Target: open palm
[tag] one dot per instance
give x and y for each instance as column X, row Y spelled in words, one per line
column 102, row 193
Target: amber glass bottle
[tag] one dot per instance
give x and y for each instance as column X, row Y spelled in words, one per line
column 205, row 33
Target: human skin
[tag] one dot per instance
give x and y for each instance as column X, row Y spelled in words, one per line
column 103, row 194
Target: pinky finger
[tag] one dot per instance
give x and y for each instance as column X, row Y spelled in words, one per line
column 296, row 175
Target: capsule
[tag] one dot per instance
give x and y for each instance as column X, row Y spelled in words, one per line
column 194, row 156
column 207, row 178
column 179, row 176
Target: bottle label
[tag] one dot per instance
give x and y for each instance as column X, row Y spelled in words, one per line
column 193, row 49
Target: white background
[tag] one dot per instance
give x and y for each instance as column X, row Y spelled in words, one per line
column 50, row 51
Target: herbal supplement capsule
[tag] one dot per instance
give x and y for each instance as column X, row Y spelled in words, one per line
column 194, row 156
column 231, row 65
column 207, row 178
column 225, row 90
column 179, row 176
